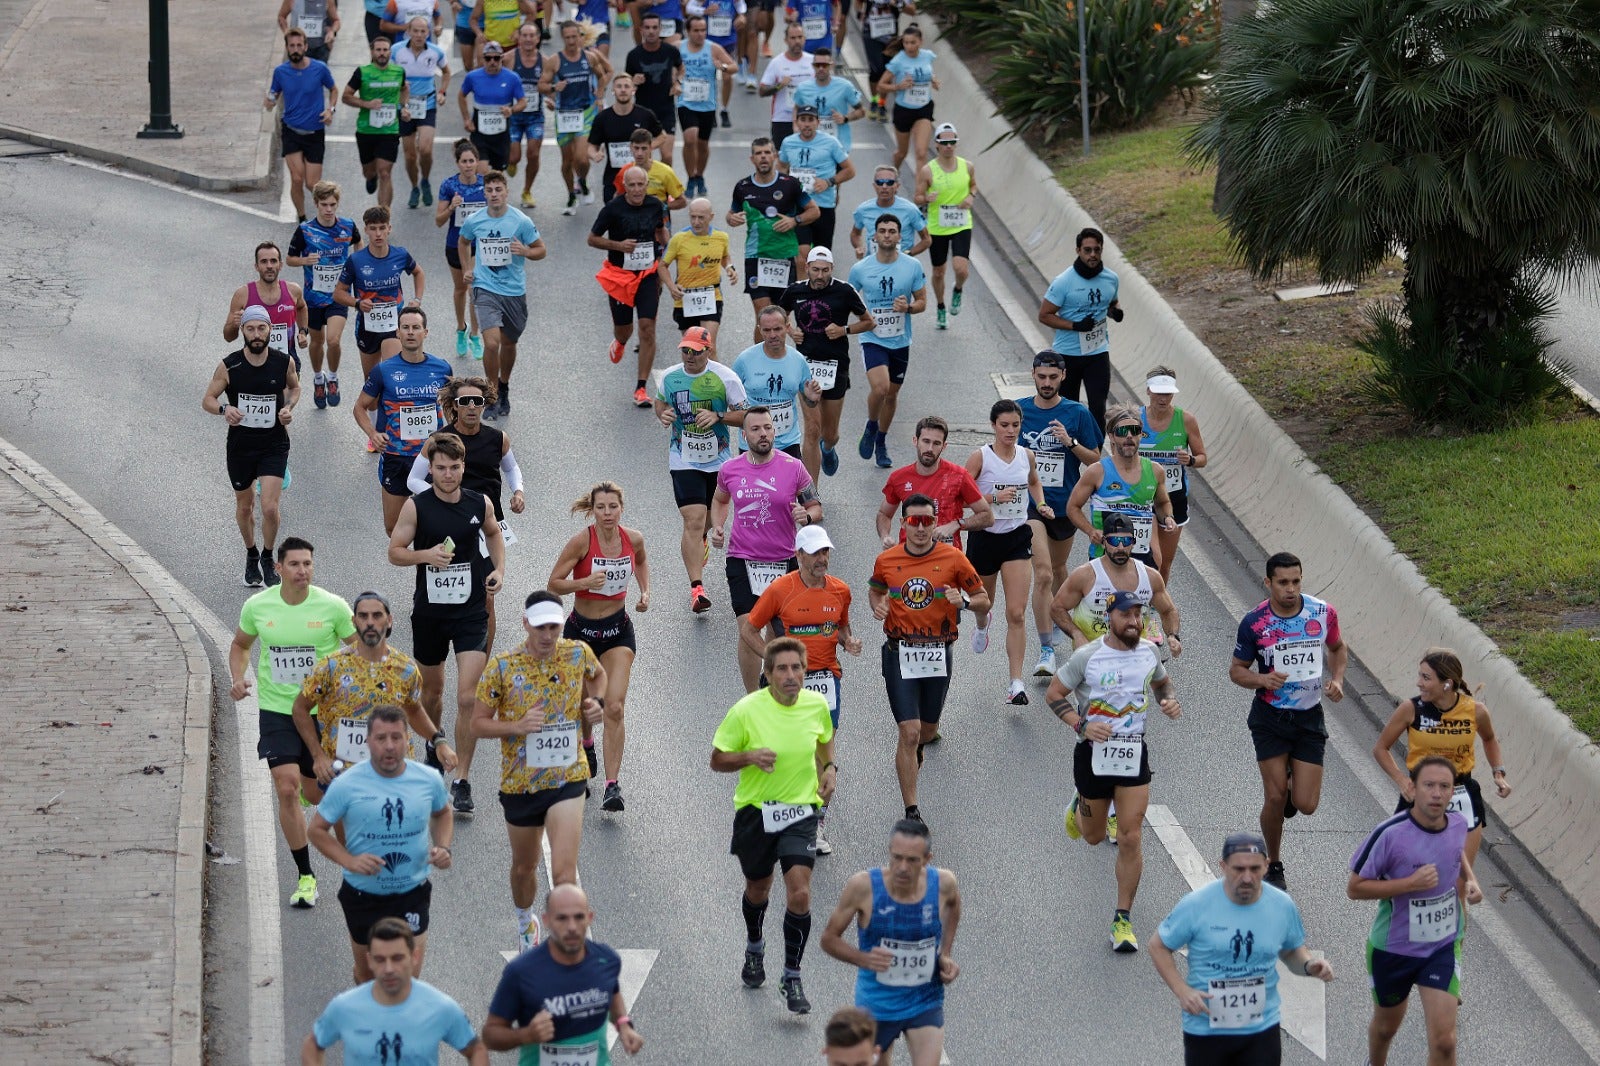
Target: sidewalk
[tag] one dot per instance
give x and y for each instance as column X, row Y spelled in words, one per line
column 73, row 76
column 103, row 792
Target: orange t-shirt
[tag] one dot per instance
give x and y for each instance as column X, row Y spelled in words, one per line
column 917, row 610
column 811, row 616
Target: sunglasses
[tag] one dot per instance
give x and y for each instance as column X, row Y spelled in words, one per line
column 919, row 520
column 470, row 401
column 1120, row 540
column 951, row 143
column 1127, row 431
column 891, row 181
column 493, row 59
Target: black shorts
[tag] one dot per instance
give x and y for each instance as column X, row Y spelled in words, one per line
column 465, row 34
column 763, row 5
column 494, row 149
column 906, row 117
column 371, row 24
column 898, row 360
column 1474, row 798
column 279, row 743
column 245, row 465
column 393, row 471
column 527, row 810
column 452, row 255
column 683, row 322
column 410, row 126
column 374, row 146
column 317, row 317
column 369, row 342
column 987, row 552
column 312, row 145
column 740, row 594
column 602, row 634
column 665, row 114
column 693, row 488
column 758, row 850
column 780, row 131
column 944, row 244
column 756, row 292
column 317, row 50
column 1300, row 735
column 1058, row 528
column 915, row 699
column 646, row 302
column 701, row 122
column 819, row 234
column 362, row 910
column 1231, row 1049
column 1180, row 506
column 1091, row 785
column 1392, row 976
column 431, row 638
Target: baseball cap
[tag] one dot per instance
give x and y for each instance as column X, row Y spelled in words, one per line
column 812, row 539
column 943, row 128
column 820, row 255
column 493, row 49
column 1115, row 523
column 1162, row 383
column 696, row 338
column 544, row 613
column 254, row 313
column 1050, row 358
column 1122, row 601
column 1246, row 843
column 805, row 109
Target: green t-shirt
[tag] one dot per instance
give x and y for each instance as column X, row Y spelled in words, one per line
column 372, row 82
column 293, row 640
column 793, row 733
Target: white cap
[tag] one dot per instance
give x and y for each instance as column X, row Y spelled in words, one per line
column 820, row 255
column 812, row 539
column 944, row 127
column 1162, row 383
column 546, row 612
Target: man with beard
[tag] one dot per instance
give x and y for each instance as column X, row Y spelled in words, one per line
column 283, row 301
column 1077, row 305
column 306, row 87
column 1080, row 607
column 822, row 306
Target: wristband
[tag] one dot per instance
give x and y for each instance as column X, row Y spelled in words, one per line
column 1083, row 723
column 623, row 1020
column 438, row 737
column 1498, row 771
column 828, row 764
column 1305, row 967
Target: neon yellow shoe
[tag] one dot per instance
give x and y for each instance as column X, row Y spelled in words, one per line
column 305, row 893
column 1111, row 829
column 1073, row 832
column 1123, row 942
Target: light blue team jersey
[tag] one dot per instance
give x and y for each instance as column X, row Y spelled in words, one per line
column 912, row 223
column 879, row 283
column 920, row 70
column 1232, row 942
column 406, row 1033
column 775, row 383
column 1079, row 297
column 912, row 931
column 699, row 68
column 822, row 155
column 495, row 268
column 838, row 95
column 464, row 16
column 388, row 817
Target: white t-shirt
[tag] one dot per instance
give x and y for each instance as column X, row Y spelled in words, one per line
column 798, row 71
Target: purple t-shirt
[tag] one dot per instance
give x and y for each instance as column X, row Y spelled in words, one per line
column 760, row 522
column 1295, row 646
column 1415, row 923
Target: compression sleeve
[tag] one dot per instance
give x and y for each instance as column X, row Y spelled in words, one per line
column 511, row 471
column 417, row 480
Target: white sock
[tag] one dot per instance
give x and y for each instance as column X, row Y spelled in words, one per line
column 320, row 378
column 524, row 916
column 1016, row 685
column 332, row 376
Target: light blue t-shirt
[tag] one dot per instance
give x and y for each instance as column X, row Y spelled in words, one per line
column 920, row 70
column 775, row 383
column 912, row 223
column 494, row 268
column 838, row 95
column 386, row 816
column 879, row 283
column 1227, row 941
column 1079, row 297
column 823, row 155
column 409, row 1032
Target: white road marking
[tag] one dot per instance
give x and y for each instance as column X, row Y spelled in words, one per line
column 195, row 193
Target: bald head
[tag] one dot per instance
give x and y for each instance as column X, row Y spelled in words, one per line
column 634, row 182
column 566, row 923
column 566, row 897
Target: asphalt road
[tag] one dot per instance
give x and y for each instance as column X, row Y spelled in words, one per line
column 112, row 299
column 1575, row 327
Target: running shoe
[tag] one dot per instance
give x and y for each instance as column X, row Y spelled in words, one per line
column 319, row 394
column 531, row 933
column 511, row 170
column 505, row 401
column 640, row 397
column 823, row 847
column 699, row 602
column 586, row 198
column 304, row 895
column 527, row 198
column 427, row 193
column 491, row 412
column 869, row 437
column 1016, row 697
column 754, row 973
column 1073, row 832
column 415, row 198
column 766, row 48
column 940, row 322
column 616, row 351
column 252, row 569
column 613, row 800
column 980, row 640
column 937, row 736
column 461, row 344
column 830, row 461
column 475, row 342
column 1123, row 942
column 372, row 185
column 461, row 796
column 1047, row 662
column 1275, row 876
column 794, row 995
column 726, row 123
column 269, row 571
column 590, row 758
column 572, row 203
column 333, row 392
column 881, row 452
column 955, row 302
column 1111, row 828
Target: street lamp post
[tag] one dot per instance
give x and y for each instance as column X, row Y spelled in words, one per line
column 160, row 68
column 1083, row 71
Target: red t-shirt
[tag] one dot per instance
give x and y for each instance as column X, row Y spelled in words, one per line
column 950, row 487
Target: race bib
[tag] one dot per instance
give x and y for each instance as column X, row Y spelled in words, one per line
column 1121, row 756
column 762, row 575
column 1461, row 803
column 923, row 659
column 1301, row 660
column 278, row 339
column 1237, row 1002
column 569, row 121
column 350, row 742
column 696, row 91
column 465, row 211
column 806, row 177
column 260, row 411
column 919, row 95
column 643, row 254
column 570, row 1054
column 325, row 276
column 699, row 448
column 828, row 126
column 290, row 664
column 881, row 27
column 552, row 747
column 824, row 684
column 416, row 108
column 311, row 26
column 1096, row 338
column 913, row 962
column 382, row 116
column 1016, row 507
column 616, row 571
column 953, row 216
column 418, row 422
column 494, row 251
column 772, row 273
column 669, row 28
column 782, row 417
column 889, row 323
column 699, row 303
column 719, row 26
column 383, row 318
column 449, row 584
column 816, row 28
column 619, row 154
column 1433, row 919
column 507, row 536
column 776, row 817
column 491, row 121
column 1174, row 476
column 825, row 372
column 1052, row 467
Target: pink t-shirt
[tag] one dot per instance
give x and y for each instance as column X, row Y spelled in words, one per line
column 760, row 522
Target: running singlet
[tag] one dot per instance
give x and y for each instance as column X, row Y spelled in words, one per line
column 716, row 388
column 377, row 1035
column 408, row 400
column 293, row 638
column 792, row 733
column 501, row 19
column 372, row 82
column 948, row 189
column 617, row 570
column 515, row 685
column 865, row 218
column 281, row 311
column 579, row 91
column 369, row 277
column 472, row 201
column 1114, row 685
column 484, row 451
column 578, row 998
column 1233, row 955
column 1449, row 734
column 456, row 591
column 1058, row 469
column 997, row 474
column 1090, row 614
column 1414, row 923
column 950, row 487
column 344, row 688
column 912, row 933
column 1162, row 448
column 820, row 157
column 879, row 283
column 918, row 609
column 530, row 84
column 1134, row 499
column 775, row 384
column 1295, row 646
column 331, row 244
column 764, row 204
column 257, row 391
column 812, row 616
column 760, row 525
column 387, row 816
column 699, row 89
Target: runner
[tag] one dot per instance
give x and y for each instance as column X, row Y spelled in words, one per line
column 816, row 18
column 1444, row 719
column 404, row 390
column 1062, row 435
column 496, row 95
column 1009, row 477
column 905, row 914
column 1237, row 930
column 378, row 92
column 822, row 306
column 775, row 375
column 527, row 125
column 1104, row 692
column 460, row 195
column 837, row 100
column 1282, row 647
column 1126, row 483
column 1080, row 606
column 657, row 69
column 594, row 18
column 533, row 698
column 466, row 36
column 570, row 82
column 886, row 199
column 952, row 490
column 1077, row 305
column 298, row 624
column 1415, row 864
column 632, row 230
column 580, row 978
column 595, row 567
column 947, row 185
column 283, row 302
column 496, row 22
column 397, row 15
column 785, row 74
column 309, row 94
column 428, row 81
column 697, row 106
column 700, row 255
column 767, row 494
column 779, row 740
column 894, row 287
column 370, row 282
column 317, row 20
column 612, row 131
column 450, row 534
column 384, row 855
column 772, row 207
column 661, row 181
column 909, row 75
column 756, row 40
column 916, row 591
column 492, row 246
column 1172, row 438
column 850, row 1039
column 698, row 401
column 321, row 245
column 819, row 162
column 880, row 25
column 405, row 1013
column 725, row 22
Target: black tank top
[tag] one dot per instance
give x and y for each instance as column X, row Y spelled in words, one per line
column 462, row 522
column 253, row 389
column 483, row 462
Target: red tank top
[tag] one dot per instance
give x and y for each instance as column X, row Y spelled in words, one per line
column 281, row 313
column 618, row 571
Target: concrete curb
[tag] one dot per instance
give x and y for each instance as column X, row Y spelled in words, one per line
column 1389, row 612
column 189, row 905
column 266, row 143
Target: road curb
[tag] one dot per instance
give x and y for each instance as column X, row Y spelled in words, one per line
column 266, row 141
column 189, row 904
